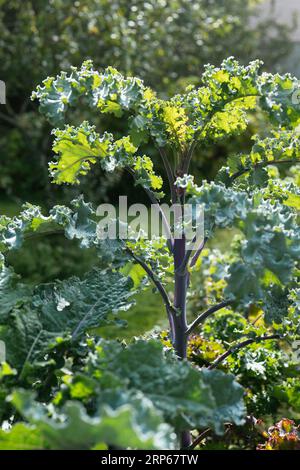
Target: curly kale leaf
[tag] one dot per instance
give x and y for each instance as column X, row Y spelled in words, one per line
column 131, row 422
column 267, row 251
column 187, row 397
column 70, row 307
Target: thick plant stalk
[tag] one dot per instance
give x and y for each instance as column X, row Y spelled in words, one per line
column 179, row 317
column 181, row 281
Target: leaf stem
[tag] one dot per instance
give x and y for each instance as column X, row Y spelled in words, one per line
column 261, row 164
column 182, row 267
column 154, row 279
column 169, row 172
column 154, row 201
column 198, row 252
column 187, row 159
column 199, row 438
column 241, row 345
column 206, row 314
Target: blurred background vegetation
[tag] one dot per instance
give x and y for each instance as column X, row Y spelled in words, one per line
column 165, row 42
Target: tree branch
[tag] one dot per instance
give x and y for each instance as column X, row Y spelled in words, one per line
column 206, row 314
column 241, row 345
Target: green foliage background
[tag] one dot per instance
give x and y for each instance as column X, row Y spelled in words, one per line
column 164, row 42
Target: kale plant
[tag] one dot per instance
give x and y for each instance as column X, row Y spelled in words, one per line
column 69, row 388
